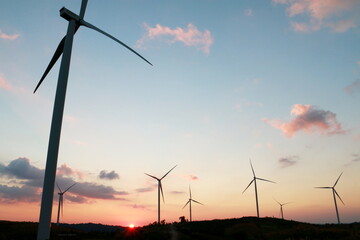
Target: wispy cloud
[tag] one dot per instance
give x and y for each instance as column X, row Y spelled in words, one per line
column 4, row 83
column 26, row 182
column 146, row 189
column 353, row 87
column 177, row 192
column 8, row 37
column 108, row 175
column 336, row 15
column 249, row 12
column 310, row 119
column 288, row 161
column 189, row 36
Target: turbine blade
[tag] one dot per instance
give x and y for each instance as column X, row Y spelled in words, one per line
column 168, row 172
column 86, row 24
column 58, row 188
column 252, row 168
column 83, row 8
column 248, row 185
column 277, row 201
column 190, row 191
column 324, row 187
column 286, row 203
column 337, row 180
column 196, row 202
column 57, row 54
column 152, row 176
column 69, row 188
column 186, row 204
column 161, row 190
column 262, row 179
column 338, row 196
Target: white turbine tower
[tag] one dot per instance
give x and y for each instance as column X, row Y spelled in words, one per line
column 256, row 194
column 61, row 201
column 281, row 208
column 160, row 190
column 189, row 202
column 64, row 48
column 334, row 195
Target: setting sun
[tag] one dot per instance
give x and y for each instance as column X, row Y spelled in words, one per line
column 131, row 225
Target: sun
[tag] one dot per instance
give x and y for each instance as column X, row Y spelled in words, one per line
column 131, row 225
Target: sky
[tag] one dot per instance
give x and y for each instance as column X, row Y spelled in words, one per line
column 274, row 81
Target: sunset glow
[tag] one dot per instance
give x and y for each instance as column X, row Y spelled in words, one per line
column 274, row 81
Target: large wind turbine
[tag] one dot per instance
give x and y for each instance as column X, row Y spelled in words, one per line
column 189, row 202
column 254, row 181
column 281, row 208
column 64, row 47
column 61, row 201
column 334, row 195
column 160, row 190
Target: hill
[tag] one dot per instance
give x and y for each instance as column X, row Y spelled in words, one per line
column 246, row 228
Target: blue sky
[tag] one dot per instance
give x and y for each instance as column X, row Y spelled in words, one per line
column 226, row 78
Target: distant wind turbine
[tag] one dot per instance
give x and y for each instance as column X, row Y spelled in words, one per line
column 254, row 181
column 61, row 201
column 160, row 190
column 281, row 208
column 64, row 48
column 189, row 202
column 334, row 195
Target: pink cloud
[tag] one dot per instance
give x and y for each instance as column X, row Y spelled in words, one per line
column 353, row 87
column 8, row 37
column 4, row 84
column 249, row 12
column 329, row 13
column 65, row 170
column 310, row 119
column 189, row 36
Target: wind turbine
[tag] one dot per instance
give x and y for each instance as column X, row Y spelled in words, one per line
column 281, row 208
column 254, row 181
column 160, row 190
column 64, row 48
column 189, row 202
column 61, row 201
column 334, row 195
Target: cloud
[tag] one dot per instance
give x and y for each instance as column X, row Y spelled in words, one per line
column 288, row 161
column 353, row 87
column 189, row 36
column 108, row 175
column 336, row 15
column 147, row 189
column 8, row 37
column 65, row 170
column 193, row 177
column 4, row 84
column 249, row 12
column 177, row 192
column 26, row 182
column 310, row 119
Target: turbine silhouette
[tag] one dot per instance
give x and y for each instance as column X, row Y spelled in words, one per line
column 334, row 195
column 61, row 201
column 160, row 190
column 189, row 202
column 254, row 181
column 281, row 208
column 64, row 48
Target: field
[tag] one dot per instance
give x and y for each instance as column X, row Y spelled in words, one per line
column 242, row 228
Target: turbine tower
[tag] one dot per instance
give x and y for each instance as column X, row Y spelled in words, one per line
column 61, row 201
column 189, row 202
column 160, row 190
column 254, row 181
column 281, row 208
column 64, row 48
column 334, row 195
